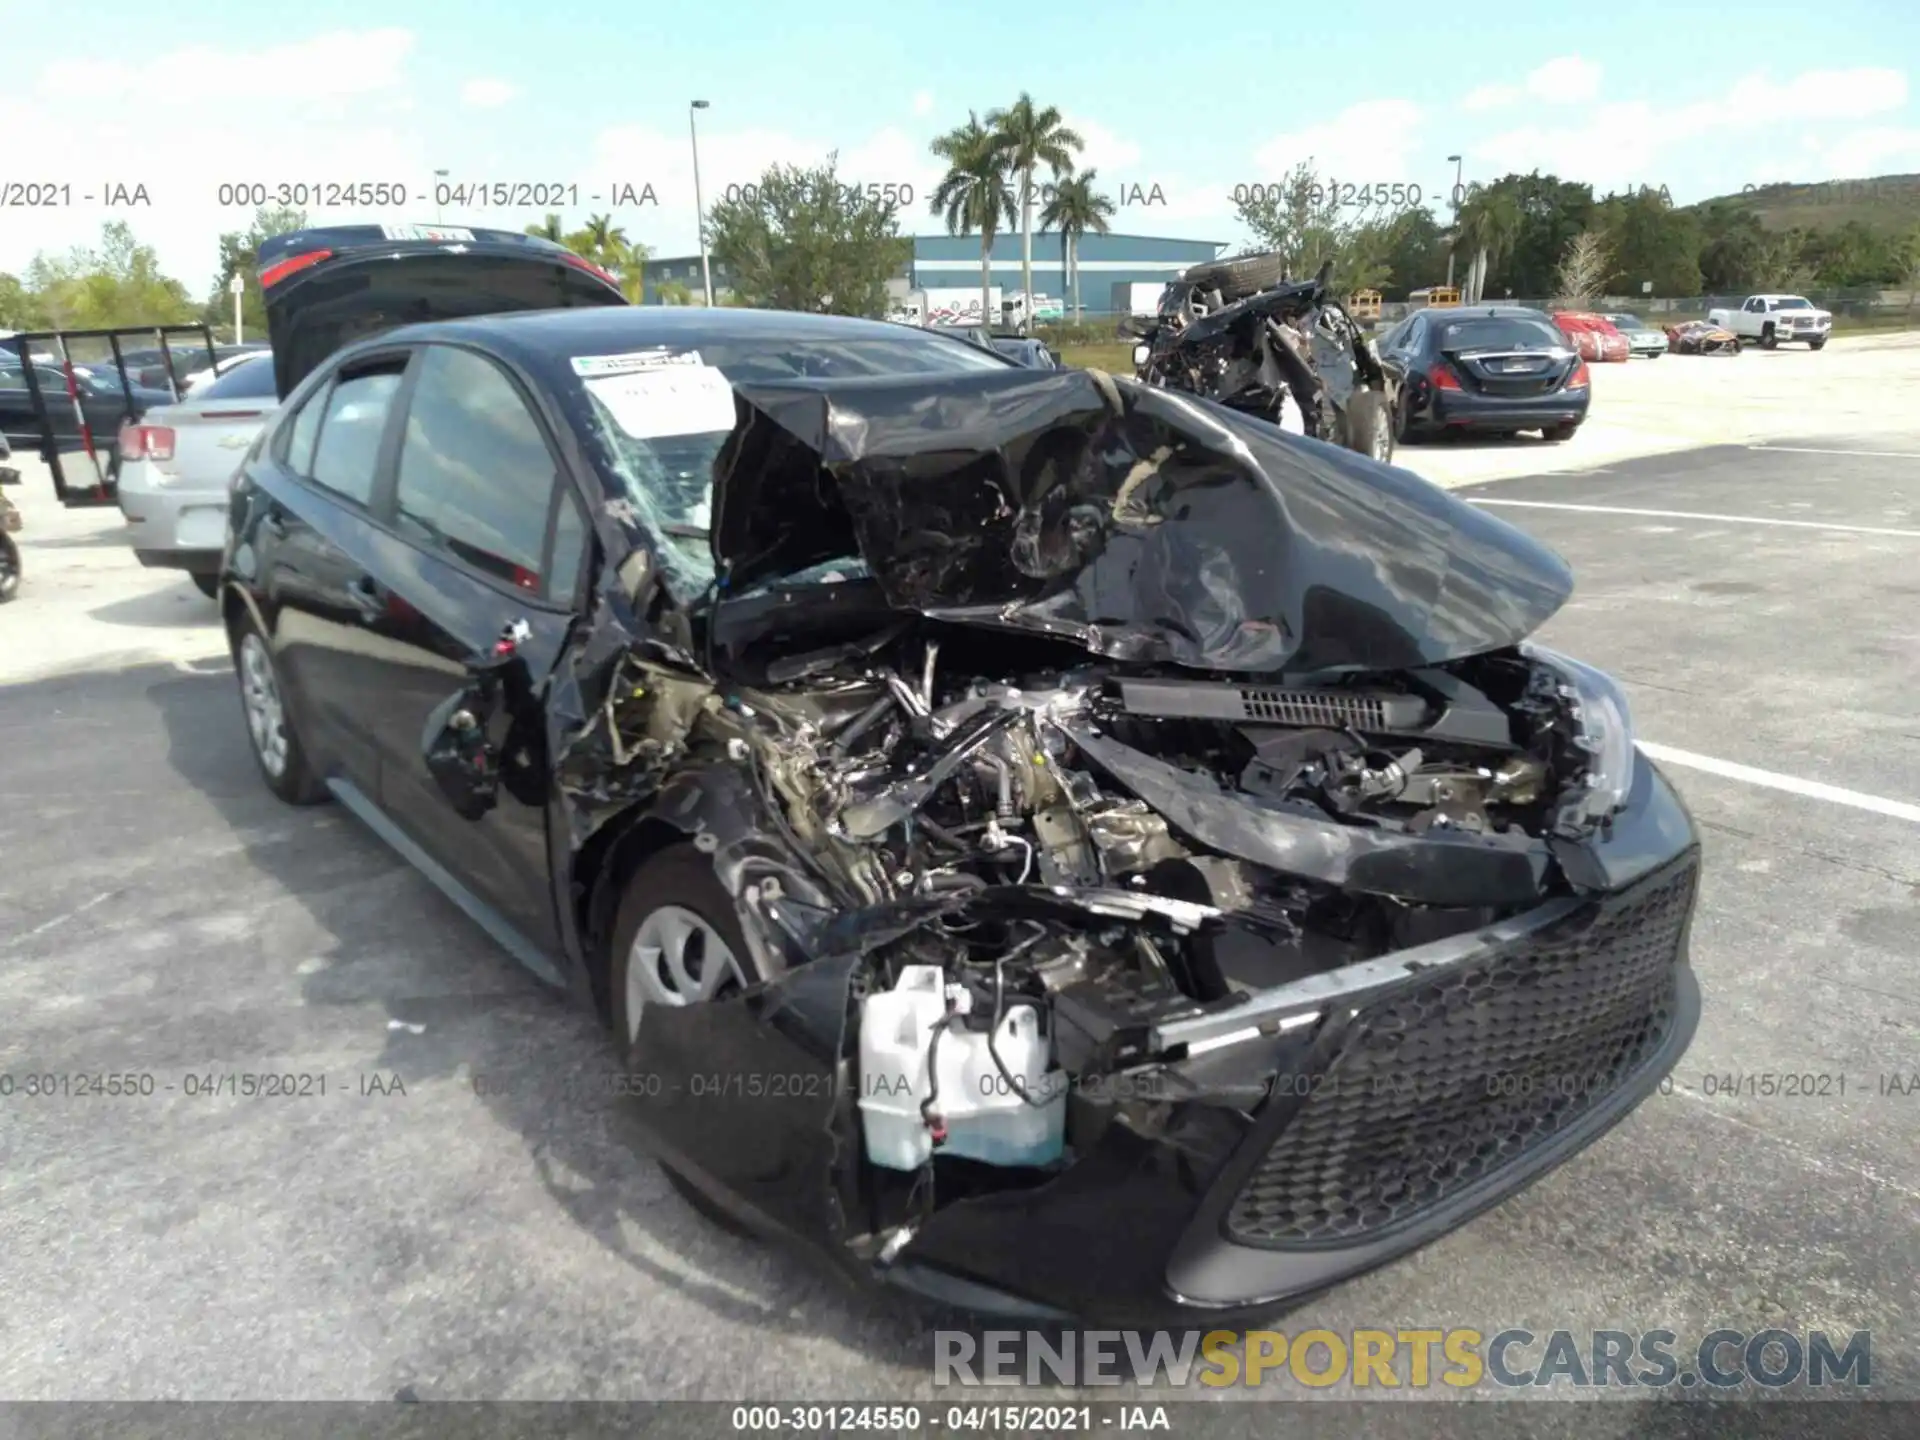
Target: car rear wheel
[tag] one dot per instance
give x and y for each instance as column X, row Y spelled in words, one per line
column 207, row 585
column 677, row 941
column 276, row 748
column 9, row 569
column 1557, row 433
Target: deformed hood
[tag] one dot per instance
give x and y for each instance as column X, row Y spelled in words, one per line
column 1147, row 525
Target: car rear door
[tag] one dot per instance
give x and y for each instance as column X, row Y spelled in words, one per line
column 316, row 558
column 485, row 542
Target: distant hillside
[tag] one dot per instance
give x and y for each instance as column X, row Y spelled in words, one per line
column 1887, row 203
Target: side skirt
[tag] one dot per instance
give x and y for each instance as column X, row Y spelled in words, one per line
column 476, row 909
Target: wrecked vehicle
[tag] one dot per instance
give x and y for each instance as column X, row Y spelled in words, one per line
column 1043, row 842
column 1702, row 337
column 1234, row 333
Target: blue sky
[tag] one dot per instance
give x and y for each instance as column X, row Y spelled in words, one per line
column 1702, row 99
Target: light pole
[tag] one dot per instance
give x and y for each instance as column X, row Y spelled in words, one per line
column 699, row 209
column 438, row 176
column 1456, row 218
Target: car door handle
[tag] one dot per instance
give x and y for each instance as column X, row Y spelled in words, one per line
column 274, row 526
column 365, row 596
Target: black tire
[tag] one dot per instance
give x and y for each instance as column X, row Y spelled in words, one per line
column 10, row 569
column 293, row 778
column 207, row 585
column 1816, row 344
column 1369, row 427
column 1554, row 434
column 683, row 877
column 1237, row 279
column 1768, row 339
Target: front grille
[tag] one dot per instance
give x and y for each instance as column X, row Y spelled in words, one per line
column 1441, row 1084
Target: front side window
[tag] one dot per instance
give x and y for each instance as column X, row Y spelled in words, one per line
column 296, row 450
column 476, row 476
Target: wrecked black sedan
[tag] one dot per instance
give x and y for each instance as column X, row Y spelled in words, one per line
column 1043, row 841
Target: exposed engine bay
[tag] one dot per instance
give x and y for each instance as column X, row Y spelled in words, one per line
column 1076, row 852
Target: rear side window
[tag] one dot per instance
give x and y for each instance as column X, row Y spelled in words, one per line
column 348, row 451
column 1516, row 332
column 476, row 476
column 248, row 380
column 297, row 452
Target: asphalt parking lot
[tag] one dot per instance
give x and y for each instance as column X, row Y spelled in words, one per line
column 166, row 916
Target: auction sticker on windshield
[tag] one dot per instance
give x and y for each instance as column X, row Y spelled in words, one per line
column 663, row 400
column 590, row 365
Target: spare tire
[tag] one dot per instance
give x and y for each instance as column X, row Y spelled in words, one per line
column 1237, row 279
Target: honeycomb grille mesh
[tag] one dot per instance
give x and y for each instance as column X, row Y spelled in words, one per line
column 1443, row 1084
column 1327, row 709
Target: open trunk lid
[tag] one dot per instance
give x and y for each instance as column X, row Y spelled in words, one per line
column 326, row 288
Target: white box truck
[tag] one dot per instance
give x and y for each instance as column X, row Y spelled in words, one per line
column 1137, row 297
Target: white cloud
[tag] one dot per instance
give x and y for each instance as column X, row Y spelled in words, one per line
column 1364, row 143
column 1640, row 142
column 1566, row 79
column 923, row 102
column 486, row 93
column 339, row 107
column 1104, row 150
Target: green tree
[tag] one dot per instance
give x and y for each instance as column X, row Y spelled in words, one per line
column 1734, row 247
column 671, row 292
column 1030, row 136
column 1075, row 209
column 1301, row 218
column 1650, row 240
column 548, row 229
column 1415, row 254
column 20, row 308
column 974, row 194
column 1552, row 212
column 240, row 255
column 802, row 240
column 607, row 245
column 118, row 284
column 1490, row 220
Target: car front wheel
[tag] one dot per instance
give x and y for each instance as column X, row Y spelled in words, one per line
column 677, row 941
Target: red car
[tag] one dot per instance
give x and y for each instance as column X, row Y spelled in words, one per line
column 1592, row 335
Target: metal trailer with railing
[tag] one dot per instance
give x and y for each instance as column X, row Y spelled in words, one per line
column 67, row 404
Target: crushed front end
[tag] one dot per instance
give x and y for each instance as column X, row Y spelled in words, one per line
column 1174, row 879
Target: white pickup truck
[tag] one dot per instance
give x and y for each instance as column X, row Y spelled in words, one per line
column 1771, row 319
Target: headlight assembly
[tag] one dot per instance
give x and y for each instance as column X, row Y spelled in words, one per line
column 1602, row 732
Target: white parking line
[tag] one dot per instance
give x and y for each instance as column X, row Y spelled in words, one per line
column 1812, row 789
column 1696, row 515
column 1816, row 450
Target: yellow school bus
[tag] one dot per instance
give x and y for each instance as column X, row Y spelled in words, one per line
column 1364, row 305
column 1434, row 295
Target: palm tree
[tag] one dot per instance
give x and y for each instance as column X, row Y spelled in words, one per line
column 547, row 229
column 973, row 194
column 1075, row 210
column 1029, row 137
column 1489, row 223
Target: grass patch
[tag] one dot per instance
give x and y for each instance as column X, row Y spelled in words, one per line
column 1114, row 358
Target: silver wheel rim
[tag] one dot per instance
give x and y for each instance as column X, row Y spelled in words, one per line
column 677, row 959
column 260, row 693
